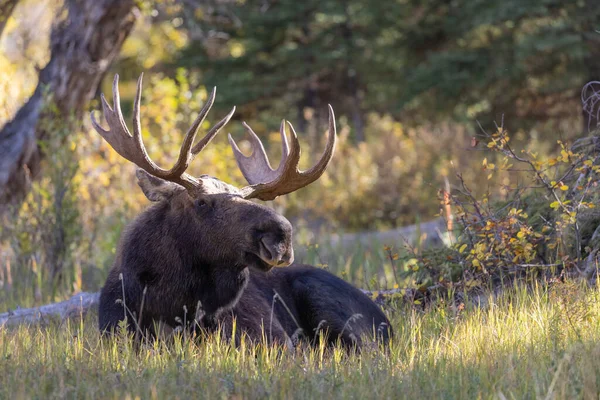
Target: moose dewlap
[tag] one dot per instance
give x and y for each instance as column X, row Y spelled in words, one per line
column 202, row 256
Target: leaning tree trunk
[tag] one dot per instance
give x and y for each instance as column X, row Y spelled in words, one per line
column 83, row 46
column 6, row 9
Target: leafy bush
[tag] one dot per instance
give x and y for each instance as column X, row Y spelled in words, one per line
column 548, row 228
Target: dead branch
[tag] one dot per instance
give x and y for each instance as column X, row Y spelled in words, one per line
column 77, row 306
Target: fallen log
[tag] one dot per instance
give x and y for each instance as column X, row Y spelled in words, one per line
column 77, row 306
column 80, row 304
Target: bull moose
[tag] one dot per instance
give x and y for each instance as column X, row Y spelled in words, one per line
column 203, row 255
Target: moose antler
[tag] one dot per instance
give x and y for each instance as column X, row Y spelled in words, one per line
column 131, row 147
column 267, row 183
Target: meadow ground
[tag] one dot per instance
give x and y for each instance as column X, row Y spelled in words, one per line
column 526, row 343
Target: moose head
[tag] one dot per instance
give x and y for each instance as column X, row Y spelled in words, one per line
column 204, row 220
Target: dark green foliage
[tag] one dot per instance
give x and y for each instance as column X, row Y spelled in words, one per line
column 520, row 58
column 416, row 59
column 291, row 56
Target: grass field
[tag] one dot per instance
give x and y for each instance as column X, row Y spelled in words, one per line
column 526, row 343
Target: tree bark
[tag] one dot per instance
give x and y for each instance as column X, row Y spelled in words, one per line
column 352, row 80
column 6, row 9
column 83, row 46
column 591, row 111
column 77, row 306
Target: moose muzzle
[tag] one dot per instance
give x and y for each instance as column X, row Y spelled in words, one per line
column 275, row 252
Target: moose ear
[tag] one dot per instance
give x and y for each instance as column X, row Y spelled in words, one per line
column 154, row 188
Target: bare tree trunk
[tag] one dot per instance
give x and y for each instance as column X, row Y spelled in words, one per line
column 308, row 104
column 591, row 60
column 83, row 46
column 6, row 9
column 352, row 79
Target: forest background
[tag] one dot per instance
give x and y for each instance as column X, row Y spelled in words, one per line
column 419, row 88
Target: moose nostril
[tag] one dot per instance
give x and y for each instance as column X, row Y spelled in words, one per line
column 266, row 249
column 286, row 259
column 275, row 251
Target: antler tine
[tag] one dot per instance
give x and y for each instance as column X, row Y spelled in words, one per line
column 151, row 166
column 318, row 169
column 117, row 114
column 185, row 153
column 212, row 133
column 266, row 183
column 131, row 147
column 285, row 148
column 118, row 136
column 256, row 167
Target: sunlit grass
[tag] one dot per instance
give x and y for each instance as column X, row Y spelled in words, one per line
column 526, row 343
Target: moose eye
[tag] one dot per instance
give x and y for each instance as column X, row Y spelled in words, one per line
column 201, row 204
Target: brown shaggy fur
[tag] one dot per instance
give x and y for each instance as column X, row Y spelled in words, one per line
column 202, row 260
